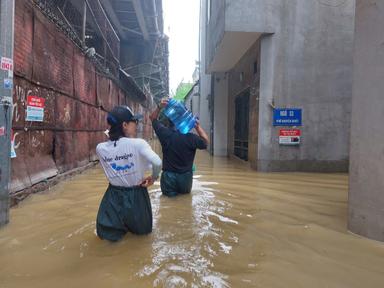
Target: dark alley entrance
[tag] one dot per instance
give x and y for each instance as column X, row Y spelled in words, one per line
column 242, row 125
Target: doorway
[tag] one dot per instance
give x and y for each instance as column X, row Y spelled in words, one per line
column 242, row 125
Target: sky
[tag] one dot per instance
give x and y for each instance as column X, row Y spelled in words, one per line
column 181, row 24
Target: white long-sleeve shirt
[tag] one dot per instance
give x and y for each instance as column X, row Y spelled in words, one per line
column 125, row 164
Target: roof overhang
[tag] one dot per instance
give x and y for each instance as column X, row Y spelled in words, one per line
column 134, row 17
column 230, row 50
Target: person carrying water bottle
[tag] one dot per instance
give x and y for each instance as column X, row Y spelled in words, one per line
column 178, row 153
column 126, row 205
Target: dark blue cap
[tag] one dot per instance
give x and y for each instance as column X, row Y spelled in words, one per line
column 121, row 114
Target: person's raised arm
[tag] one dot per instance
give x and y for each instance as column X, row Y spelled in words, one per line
column 155, row 114
column 200, row 131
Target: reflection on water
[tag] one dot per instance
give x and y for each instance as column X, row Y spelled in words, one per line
column 238, row 228
column 185, row 239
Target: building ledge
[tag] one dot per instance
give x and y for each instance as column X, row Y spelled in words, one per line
column 230, row 50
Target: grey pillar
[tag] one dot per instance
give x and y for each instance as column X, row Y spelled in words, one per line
column 6, row 88
column 366, row 194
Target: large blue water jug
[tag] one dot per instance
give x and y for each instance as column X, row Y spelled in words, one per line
column 180, row 116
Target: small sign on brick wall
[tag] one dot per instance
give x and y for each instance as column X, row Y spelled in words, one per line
column 35, row 109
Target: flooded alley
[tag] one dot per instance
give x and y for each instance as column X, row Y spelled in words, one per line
column 238, row 228
column 282, row 99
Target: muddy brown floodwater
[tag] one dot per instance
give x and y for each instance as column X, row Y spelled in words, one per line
column 238, row 228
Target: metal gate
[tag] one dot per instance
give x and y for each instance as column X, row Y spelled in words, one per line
column 242, row 125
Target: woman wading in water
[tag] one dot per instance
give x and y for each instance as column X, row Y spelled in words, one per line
column 126, row 206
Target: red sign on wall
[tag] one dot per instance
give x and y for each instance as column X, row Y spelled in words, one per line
column 6, row 64
column 289, row 137
column 290, row 132
column 35, row 101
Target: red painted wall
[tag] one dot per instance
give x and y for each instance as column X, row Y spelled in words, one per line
column 49, row 65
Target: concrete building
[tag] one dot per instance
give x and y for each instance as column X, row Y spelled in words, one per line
column 366, row 198
column 204, row 101
column 265, row 55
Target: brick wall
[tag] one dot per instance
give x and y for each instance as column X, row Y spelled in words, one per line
column 77, row 98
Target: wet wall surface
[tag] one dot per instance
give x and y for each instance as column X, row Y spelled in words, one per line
column 238, row 228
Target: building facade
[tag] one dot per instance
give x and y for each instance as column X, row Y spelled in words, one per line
column 264, row 56
column 204, row 102
column 366, row 200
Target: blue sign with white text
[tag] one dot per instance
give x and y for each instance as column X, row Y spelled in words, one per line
column 8, row 84
column 287, row 117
